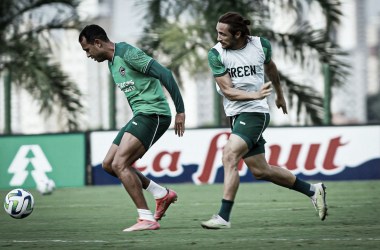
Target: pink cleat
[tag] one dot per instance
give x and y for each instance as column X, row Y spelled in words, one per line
column 142, row 225
column 163, row 204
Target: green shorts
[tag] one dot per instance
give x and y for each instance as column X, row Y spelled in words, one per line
column 250, row 127
column 147, row 128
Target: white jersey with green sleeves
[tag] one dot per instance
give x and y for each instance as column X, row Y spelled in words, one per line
column 129, row 69
column 246, row 69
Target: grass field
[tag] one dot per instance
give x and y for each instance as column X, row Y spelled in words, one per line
column 264, row 216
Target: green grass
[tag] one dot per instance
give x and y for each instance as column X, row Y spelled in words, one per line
column 264, row 216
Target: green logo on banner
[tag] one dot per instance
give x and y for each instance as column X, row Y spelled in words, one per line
column 29, row 158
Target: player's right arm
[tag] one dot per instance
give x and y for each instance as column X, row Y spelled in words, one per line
column 225, row 84
column 232, row 94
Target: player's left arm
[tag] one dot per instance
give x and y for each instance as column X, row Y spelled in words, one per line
column 272, row 73
column 166, row 77
column 145, row 64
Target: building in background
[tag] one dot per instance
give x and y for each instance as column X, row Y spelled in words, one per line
column 124, row 21
column 373, row 62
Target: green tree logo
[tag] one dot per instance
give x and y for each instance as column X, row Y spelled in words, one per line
column 29, row 158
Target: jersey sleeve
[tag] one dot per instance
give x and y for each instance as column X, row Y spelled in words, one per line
column 137, row 59
column 166, row 77
column 267, row 49
column 216, row 65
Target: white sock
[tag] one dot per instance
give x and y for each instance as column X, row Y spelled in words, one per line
column 313, row 188
column 145, row 214
column 156, row 190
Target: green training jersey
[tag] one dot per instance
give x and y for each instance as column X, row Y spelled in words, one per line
column 129, row 68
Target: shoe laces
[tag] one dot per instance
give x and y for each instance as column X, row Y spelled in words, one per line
column 215, row 217
column 314, row 199
column 314, row 203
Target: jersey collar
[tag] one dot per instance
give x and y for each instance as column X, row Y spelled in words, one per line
column 243, row 47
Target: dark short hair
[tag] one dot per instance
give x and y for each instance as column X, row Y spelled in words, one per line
column 92, row 32
column 236, row 23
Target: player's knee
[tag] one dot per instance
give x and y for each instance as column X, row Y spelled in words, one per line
column 116, row 166
column 120, row 165
column 107, row 165
column 229, row 157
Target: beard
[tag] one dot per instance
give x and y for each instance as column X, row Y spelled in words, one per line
column 233, row 42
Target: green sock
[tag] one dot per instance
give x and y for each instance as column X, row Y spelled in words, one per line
column 303, row 187
column 225, row 209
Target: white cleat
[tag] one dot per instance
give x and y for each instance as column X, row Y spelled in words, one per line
column 319, row 200
column 216, row 222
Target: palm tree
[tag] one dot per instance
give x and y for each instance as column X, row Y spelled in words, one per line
column 184, row 31
column 25, row 48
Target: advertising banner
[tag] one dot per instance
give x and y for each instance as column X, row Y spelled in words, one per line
column 27, row 159
column 312, row 153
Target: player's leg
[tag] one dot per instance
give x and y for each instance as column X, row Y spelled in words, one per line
column 261, row 170
column 234, row 150
column 144, row 221
column 148, row 129
column 107, row 162
column 164, row 197
column 107, row 167
column 246, row 129
column 156, row 190
column 145, row 181
column 250, row 126
column 129, row 150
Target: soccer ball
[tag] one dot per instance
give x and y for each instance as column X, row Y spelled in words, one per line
column 19, row 203
column 45, row 186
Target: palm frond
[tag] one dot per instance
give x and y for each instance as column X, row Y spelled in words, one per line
column 25, row 49
column 31, row 69
column 332, row 11
column 306, row 96
column 303, row 45
column 306, row 43
column 12, row 11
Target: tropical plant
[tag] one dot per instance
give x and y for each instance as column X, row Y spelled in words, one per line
column 184, row 31
column 26, row 28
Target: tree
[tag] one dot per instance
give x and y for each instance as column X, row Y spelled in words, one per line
column 184, row 31
column 26, row 27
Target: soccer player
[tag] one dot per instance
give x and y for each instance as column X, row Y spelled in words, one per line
column 238, row 62
column 138, row 76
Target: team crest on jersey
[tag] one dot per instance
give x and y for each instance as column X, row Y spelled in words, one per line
column 122, row 71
